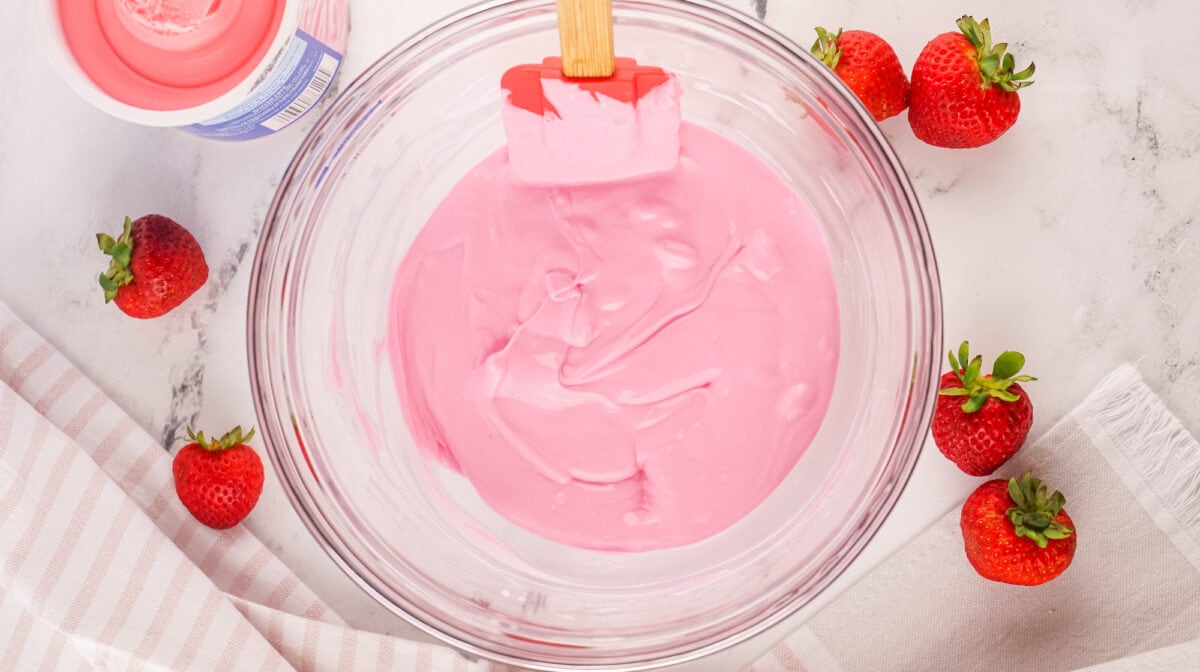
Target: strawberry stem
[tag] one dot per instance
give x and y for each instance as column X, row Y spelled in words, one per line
column 995, row 65
column 230, row 439
column 978, row 388
column 121, row 251
column 826, row 47
column 1033, row 514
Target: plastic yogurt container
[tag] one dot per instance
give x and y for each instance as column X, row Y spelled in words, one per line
column 221, row 69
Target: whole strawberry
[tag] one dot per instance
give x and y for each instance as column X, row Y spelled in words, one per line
column 1014, row 533
column 218, row 481
column 964, row 90
column 980, row 421
column 868, row 65
column 156, row 265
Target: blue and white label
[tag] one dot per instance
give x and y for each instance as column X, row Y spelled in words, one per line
column 297, row 81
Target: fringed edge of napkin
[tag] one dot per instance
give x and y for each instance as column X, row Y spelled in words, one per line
column 1151, row 451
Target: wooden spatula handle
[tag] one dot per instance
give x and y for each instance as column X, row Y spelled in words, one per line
column 585, row 31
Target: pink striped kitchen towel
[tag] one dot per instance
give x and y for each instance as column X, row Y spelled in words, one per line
column 102, row 569
column 1129, row 602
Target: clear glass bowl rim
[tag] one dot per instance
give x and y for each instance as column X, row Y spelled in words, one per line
column 288, row 462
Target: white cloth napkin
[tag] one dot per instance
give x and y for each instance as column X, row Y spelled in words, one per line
column 1129, row 602
column 101, row 568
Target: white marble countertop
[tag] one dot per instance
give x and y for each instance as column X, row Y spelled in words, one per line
column 1071, row 238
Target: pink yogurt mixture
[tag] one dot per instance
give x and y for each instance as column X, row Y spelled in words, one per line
column 627, row 365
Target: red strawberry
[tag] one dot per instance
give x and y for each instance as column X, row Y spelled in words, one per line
column 868, row 65
column 156, row 265
column 964, row 90
column 981, row 432
column 1014, row 533
column 218, row 481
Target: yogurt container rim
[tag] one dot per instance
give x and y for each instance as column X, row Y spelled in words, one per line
column 68, row 68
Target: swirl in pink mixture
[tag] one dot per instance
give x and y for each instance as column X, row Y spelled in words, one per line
column 627, row 366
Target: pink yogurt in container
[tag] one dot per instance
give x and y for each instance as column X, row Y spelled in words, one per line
column 221, row 69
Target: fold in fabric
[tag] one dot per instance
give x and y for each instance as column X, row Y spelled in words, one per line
column 101, row 568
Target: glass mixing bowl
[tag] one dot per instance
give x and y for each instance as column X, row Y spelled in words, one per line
column 415, row 535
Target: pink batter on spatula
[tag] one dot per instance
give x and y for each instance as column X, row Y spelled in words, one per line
column 629, row 365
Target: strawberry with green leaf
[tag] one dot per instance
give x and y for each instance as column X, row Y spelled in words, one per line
column 156, row 265
column 981, row 420
column 218, row 480
column 869, row 66
column 964, row 88
column 1015, row 533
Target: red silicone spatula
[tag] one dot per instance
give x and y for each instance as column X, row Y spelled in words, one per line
column 589, row 116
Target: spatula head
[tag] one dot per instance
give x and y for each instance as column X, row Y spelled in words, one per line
column 568, row 130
